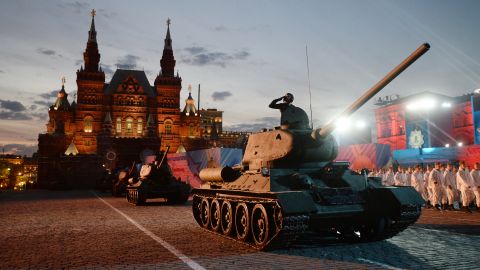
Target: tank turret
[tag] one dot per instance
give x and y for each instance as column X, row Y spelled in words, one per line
column 287, row 185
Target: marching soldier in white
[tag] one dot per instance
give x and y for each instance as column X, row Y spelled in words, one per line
column 464, row 183
column 408, row 175
column 450, row 185
column 387, row 178
column 444, row 187
column 428, row 191
column 435, row 183
column 398, row 178
column 418, row 183
column 475, row 173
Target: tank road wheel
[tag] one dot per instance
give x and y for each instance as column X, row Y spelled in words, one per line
column 375, row 231
column 259, row 225
column 205, row 213
column 196, row 208
column 278, row 217
column 242, row 221
column 226, row 217
column 215, row 215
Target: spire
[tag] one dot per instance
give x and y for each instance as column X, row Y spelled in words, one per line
column 150, row 126
column 62, row 101
column 92, row 34
column 107, row 124
column 168, row 40
column 91, row 56
column 167, row 63
column 71, row 150
column 190, row 104
column 108, row 118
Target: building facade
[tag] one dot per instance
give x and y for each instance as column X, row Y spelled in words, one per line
column 112, row 122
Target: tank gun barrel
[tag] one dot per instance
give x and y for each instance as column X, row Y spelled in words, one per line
column 330, row 126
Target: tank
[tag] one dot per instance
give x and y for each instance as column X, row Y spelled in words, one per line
column 120, row 180
column 288, row 188
column 157, row 181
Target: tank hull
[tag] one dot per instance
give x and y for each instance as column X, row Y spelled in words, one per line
column 269, row 220
column 175, row 192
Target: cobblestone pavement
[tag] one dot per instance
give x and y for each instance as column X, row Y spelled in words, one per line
column 77, row 229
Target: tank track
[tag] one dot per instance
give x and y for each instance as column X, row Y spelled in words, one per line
column 283, row 230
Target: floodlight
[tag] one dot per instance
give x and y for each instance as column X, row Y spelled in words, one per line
column 342, row 124
column 360, row 124
column 460, row 144
column 446, row 105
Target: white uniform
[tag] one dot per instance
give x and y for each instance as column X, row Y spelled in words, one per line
column 399, row 179
column 464, row 183
column 476, row 185
column 387, row 179
column 426, row 177
column 435, row 183
column 418, row 183
column 407, row 177
column 450, row 185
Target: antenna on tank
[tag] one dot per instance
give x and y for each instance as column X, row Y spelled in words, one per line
column 309, row 90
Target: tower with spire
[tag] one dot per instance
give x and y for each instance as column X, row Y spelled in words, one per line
column 90, row 94
column 167, row 87
column 110, row 123
column 190, row 119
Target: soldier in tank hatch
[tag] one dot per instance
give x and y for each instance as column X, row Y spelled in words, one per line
column 292, row 117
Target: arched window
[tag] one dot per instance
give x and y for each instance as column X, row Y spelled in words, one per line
column 88, row 124
column 139, row 126
column 129, row 125
column 118, row 126
column 168, row 126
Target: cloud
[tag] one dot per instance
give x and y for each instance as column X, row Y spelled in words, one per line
column 129, row 61
column 195, row 50
column 221, row 95
column 200, row 56
column 220, row 28
column 20, row 149
column 40, row 115
column 13, row 106
column 107, row 69
column 106, row 13
column 9, row 115
column 33, row 107
column 49, row 95
column 48, row 52
column 78, row 62
column 77, row 6
column 43, row 103
column 1, row 71
column 256, row 125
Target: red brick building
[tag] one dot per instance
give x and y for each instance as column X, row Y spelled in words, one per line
column 443, row 120
column 110, row 123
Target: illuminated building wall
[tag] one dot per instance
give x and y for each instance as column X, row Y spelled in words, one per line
column 441, row 120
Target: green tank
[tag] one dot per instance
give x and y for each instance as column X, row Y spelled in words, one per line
column 288, row 187
column 157, row 181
